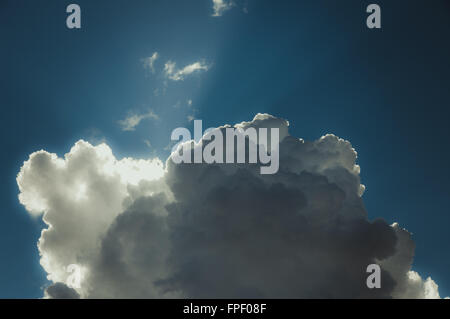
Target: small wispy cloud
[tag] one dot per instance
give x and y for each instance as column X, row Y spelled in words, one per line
column 180, row 74
column 149, row 62
column 220, row 6
column 133, row 120
column 147, row 142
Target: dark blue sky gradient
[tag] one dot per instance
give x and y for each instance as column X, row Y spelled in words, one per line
column 314, row 63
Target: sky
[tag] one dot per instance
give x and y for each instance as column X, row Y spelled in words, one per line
column 315, row 64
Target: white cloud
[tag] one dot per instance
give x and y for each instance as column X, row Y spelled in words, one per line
column 149, row 62
column 133, row 120
column 141, row 230
column 180, row 74
column 220, row 6
column 49, row 184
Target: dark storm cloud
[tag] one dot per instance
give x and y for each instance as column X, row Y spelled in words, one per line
column 293, row 234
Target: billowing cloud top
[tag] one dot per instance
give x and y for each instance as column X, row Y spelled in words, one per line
column 141, row 230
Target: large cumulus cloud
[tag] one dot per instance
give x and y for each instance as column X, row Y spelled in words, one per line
column 141, row 230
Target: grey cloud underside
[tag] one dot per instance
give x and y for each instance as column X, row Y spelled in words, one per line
column 60, row 290
column 248, row 239
column 224, row 230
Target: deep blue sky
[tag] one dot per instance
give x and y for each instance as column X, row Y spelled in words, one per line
column 314, row 63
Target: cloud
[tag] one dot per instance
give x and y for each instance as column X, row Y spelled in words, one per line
column 60, row 291
column 133, row 120
column 220, row 6
column 147, row 142
column 141, row 230
column 80, row 196
column 180, row 74
column 149, row 62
